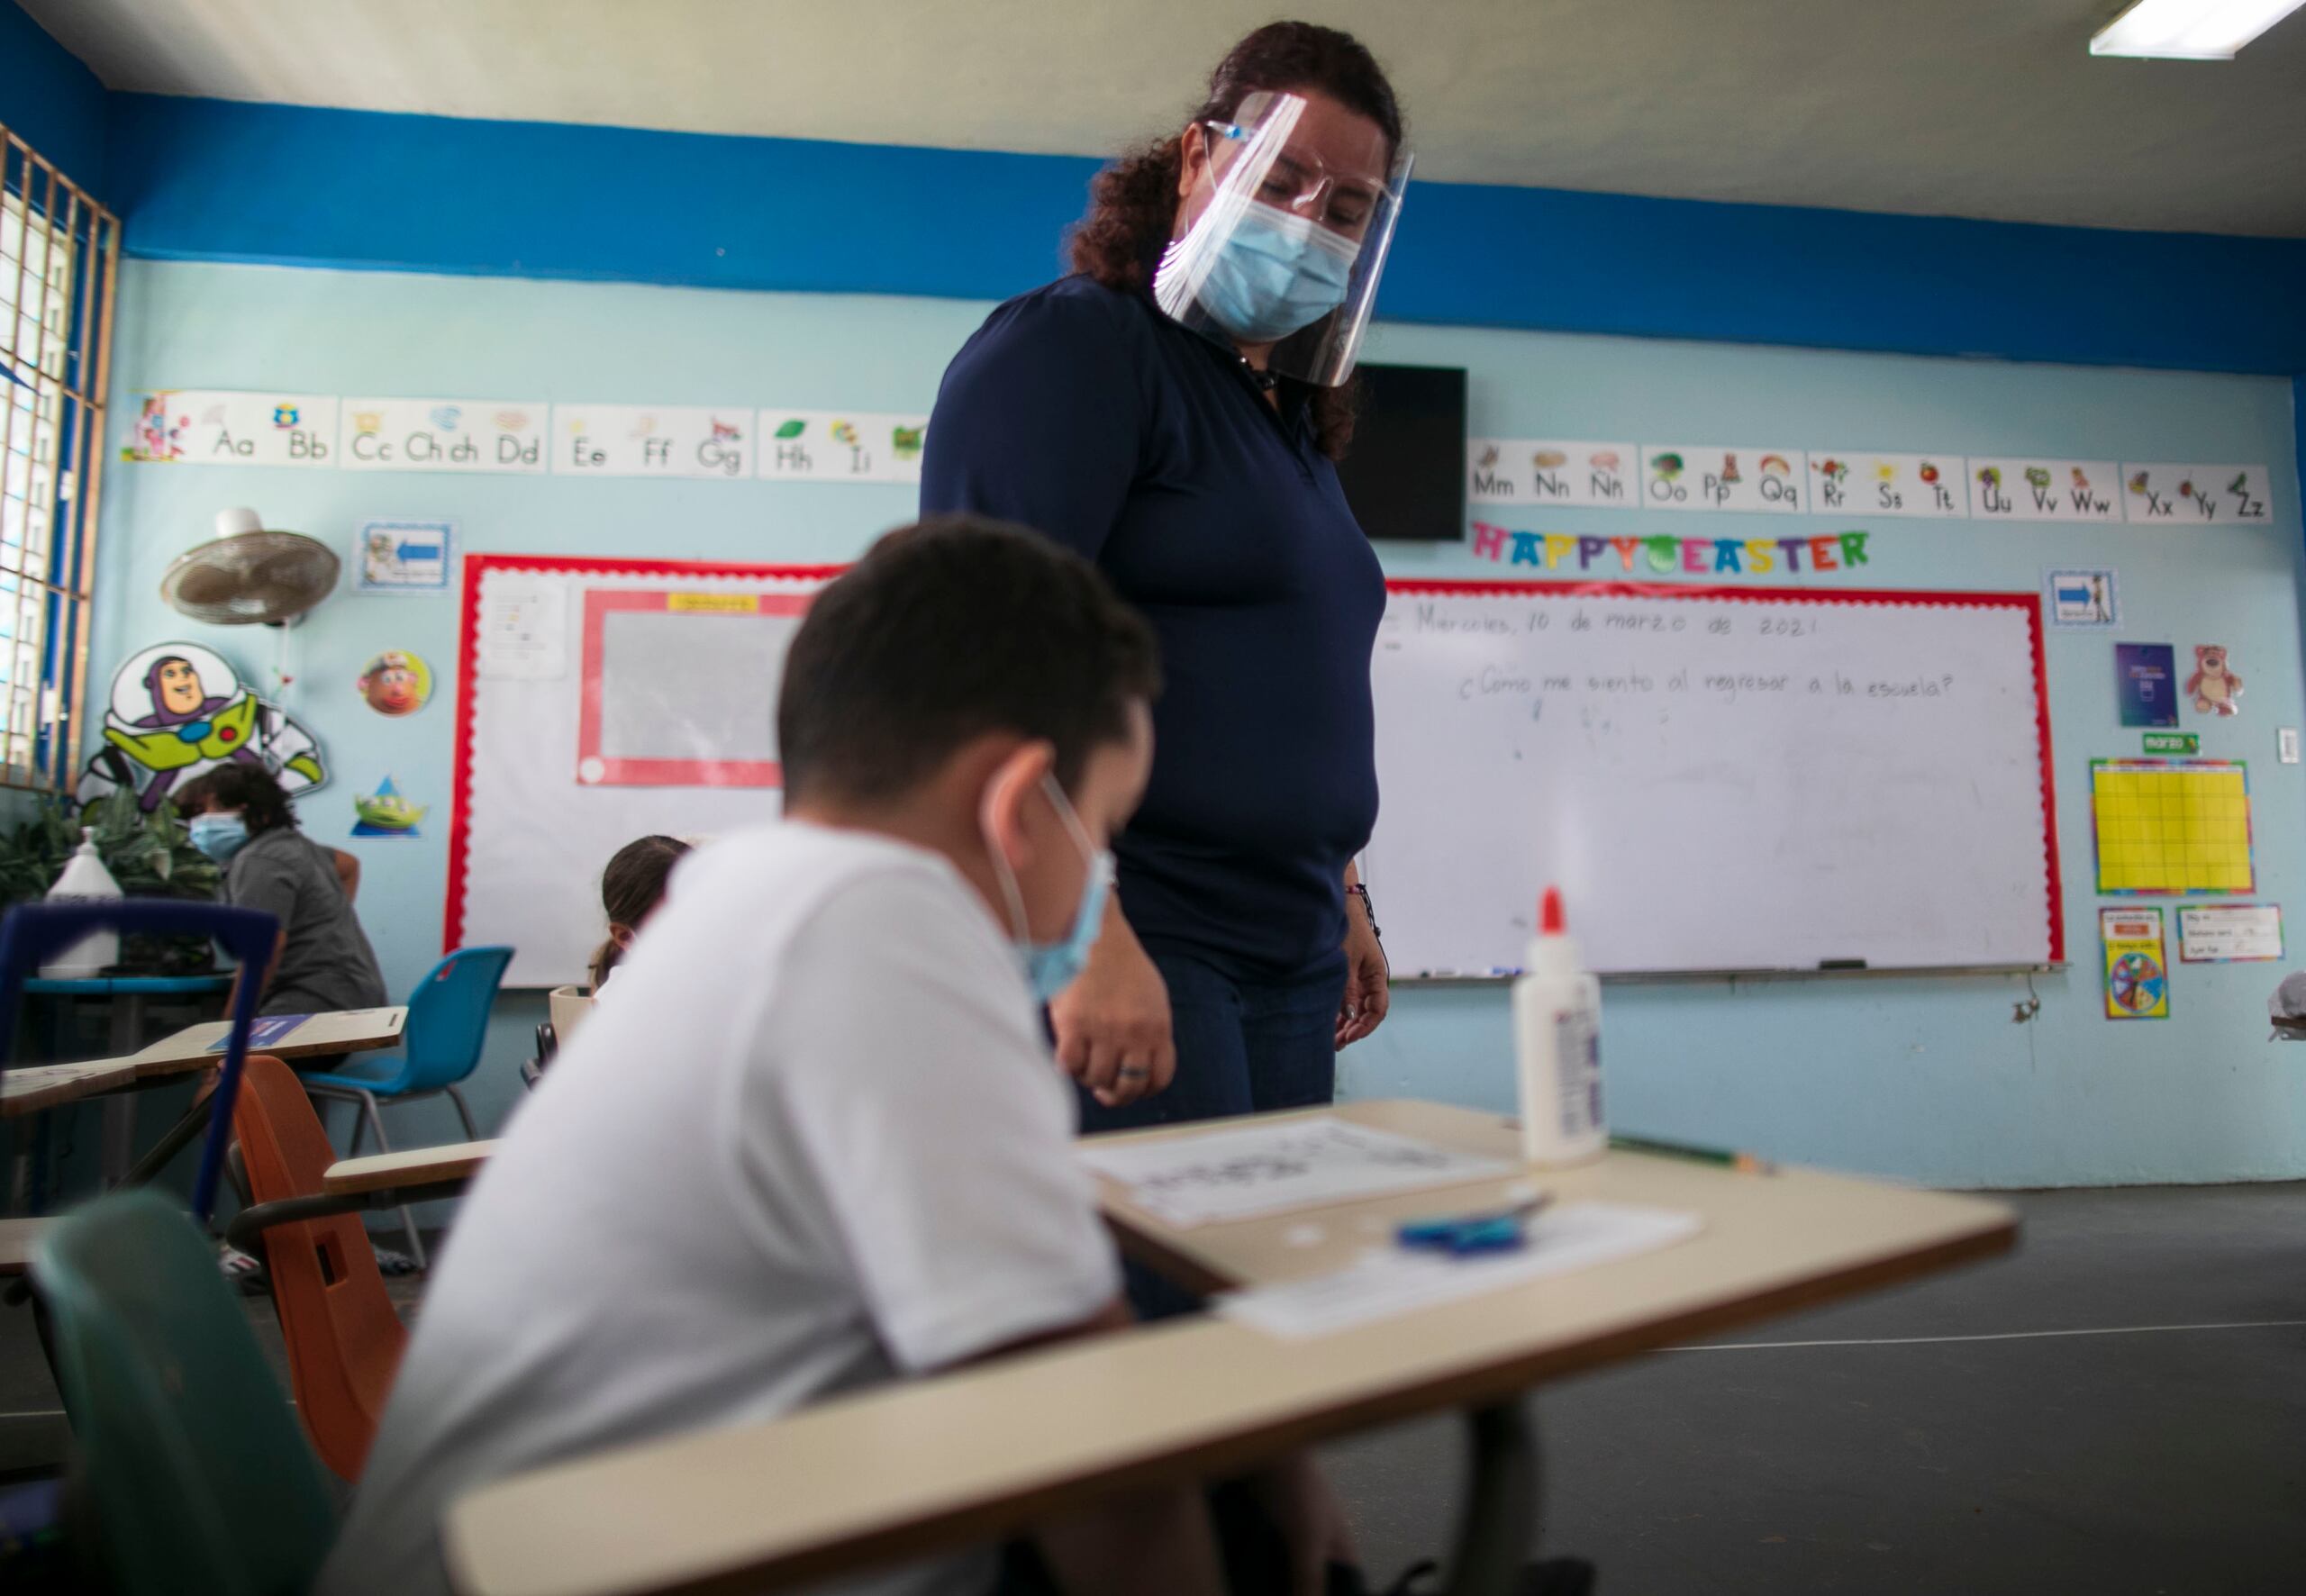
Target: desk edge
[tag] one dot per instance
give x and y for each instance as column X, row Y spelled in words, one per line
column 966, row 1523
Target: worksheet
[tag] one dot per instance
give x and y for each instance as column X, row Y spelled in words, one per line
column 1387, row 1281
column 1264, row 1169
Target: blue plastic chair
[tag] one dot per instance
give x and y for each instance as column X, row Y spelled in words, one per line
column 184, row 1448
column 34, row 933
column 448, row 1022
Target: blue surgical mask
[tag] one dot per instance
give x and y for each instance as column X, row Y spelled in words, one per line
column 219, row 836
column 1274, row 273
column 1050, row 966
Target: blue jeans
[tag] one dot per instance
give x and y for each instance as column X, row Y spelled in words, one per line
column 1245, row 1045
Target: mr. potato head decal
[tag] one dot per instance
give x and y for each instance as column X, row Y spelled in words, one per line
column 396, row 683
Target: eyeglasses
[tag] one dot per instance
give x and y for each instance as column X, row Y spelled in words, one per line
column 1298, row 180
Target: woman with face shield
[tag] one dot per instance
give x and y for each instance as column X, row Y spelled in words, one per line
column 1173, row 411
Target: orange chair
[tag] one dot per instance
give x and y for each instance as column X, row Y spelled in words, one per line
column 344, row 1339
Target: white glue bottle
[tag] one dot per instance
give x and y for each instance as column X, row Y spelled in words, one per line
column 1557, row 1045
column 83, row 879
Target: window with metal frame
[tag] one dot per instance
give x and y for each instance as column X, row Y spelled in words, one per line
column 59, row 253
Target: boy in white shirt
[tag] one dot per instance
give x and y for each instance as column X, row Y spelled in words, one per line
column 818, row 1142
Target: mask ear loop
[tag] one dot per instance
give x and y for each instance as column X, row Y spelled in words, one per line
column 1070, row 816
column 1021, row 928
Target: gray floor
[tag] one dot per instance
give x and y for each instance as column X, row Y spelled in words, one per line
column 1966, row 1440
column 1923, row 1458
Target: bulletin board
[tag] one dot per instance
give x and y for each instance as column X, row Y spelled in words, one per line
column 599, row 701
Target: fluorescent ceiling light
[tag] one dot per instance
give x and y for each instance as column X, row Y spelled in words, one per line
column 2189, row 29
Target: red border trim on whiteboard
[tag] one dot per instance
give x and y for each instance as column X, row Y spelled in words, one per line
column 600, row 603
column 1915, row 598
column 476, row 566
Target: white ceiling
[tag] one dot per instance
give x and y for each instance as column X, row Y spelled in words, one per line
column 1987, row 108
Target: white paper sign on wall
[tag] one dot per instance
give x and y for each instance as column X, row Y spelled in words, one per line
column 216, row 427
column 470, row 435
column 2195, row 496
column 1846, row 483
column 841, row 444
column 708, row 442
column 1716, row 476
column 2016, row 489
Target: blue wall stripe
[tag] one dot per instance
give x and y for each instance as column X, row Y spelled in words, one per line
column 49, row 100
column 213, row 180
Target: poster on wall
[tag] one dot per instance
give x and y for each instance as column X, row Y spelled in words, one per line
column 215, row 426
column 468, row 435
column 1551, row 471
column 178, row 709
column 1862, row 484
column 2146, row 683
column 2043, row 490
column 404, row 557
column 709, row 442
column 2137, row 973
column 841, row 445
column 2195, row 496
column 2084, row 600
column 2229, row 933
column 1715, row 477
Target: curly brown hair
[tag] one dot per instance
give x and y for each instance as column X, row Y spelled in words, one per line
column 1133, row 203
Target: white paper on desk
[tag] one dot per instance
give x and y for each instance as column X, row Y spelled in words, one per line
column 1262, row 1169
column 1391, row 1280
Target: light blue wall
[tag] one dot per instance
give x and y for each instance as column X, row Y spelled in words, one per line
column 1927, row 1078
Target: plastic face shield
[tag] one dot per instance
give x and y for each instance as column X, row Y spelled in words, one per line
column 1288, row 248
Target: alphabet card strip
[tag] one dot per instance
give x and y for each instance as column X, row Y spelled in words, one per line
column 1552, row 471
column 1713, row 477
column 2043, row 490
column 2194, row 495
column 841, row 444
column 1843, row 483
column 213, row 427
column 653, row 440
column 495, row 435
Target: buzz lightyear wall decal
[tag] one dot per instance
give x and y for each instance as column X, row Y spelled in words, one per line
column 178, row 709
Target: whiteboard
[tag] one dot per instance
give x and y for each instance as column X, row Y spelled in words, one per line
column 1716, row 780
column 601, row 701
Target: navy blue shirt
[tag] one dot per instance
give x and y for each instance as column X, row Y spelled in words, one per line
column 1084, row 412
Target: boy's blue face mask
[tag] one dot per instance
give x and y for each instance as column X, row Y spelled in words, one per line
column 1274, row 273
column 219, row 836
column 1050, row 966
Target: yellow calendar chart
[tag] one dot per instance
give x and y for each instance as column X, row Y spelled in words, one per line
column 2172, row 825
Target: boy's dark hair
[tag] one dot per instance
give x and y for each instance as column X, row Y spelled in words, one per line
column 630, row 887
column 946, row 630
column 249, row 788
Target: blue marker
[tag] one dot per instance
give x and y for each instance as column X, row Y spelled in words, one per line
column 1472, row 1235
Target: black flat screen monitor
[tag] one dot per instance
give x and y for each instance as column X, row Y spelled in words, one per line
column 1405, row 474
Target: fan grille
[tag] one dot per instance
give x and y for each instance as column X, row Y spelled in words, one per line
column 250, row 577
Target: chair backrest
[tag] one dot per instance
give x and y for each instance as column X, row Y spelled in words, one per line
column 448, row 1016
column 191, row 1462
column 571, row 1006
column 33, row 933
column 344, row 1341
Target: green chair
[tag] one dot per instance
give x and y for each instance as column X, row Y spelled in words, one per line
column 186, row 1456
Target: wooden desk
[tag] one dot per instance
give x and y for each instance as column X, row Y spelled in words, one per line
column 418, row 1167
column 357, row 1185
column 911, row 1469
column 39, row 1086
column 344, row 1030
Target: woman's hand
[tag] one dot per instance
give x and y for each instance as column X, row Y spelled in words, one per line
column 1366, row 994
column 1112, row 1023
